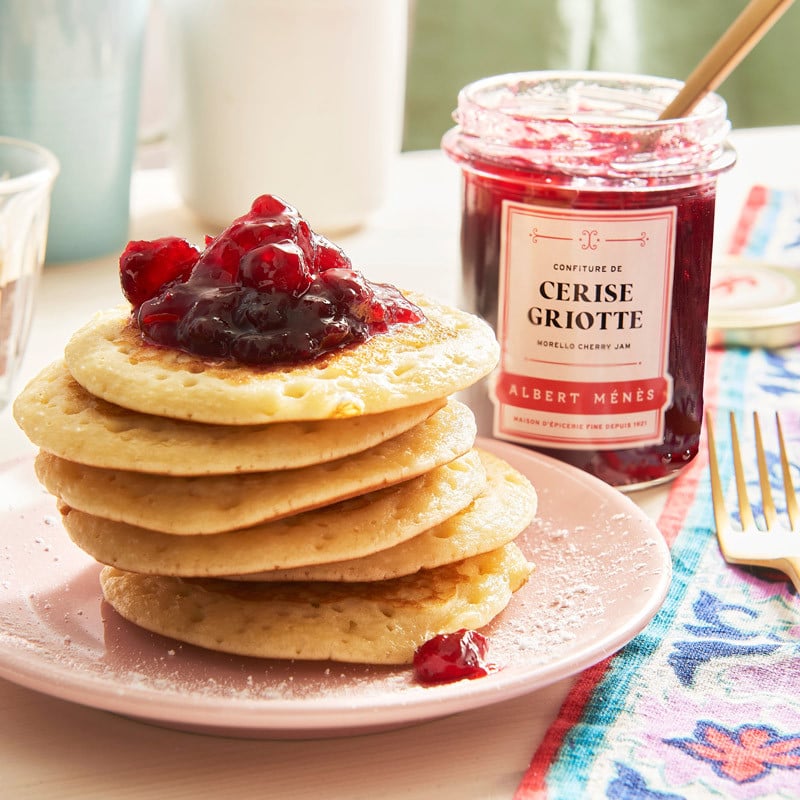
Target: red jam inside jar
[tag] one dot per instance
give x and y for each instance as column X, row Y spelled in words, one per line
column 586, row 238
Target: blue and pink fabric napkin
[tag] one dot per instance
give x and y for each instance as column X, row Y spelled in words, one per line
column 705, row 702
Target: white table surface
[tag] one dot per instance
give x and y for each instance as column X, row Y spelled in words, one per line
column 52, row 748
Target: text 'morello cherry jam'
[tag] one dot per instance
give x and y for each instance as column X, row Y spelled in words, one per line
column 586, row 241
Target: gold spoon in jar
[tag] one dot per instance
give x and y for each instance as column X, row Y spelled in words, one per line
column 745, row 32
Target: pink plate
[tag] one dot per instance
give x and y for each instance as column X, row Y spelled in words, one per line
column 602, row 572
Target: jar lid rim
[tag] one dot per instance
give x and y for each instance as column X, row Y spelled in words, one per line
column 588, row 124
column 765, row 312
column 584, row 85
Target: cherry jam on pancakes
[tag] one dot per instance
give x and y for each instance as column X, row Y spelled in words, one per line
column 586, row 237
column 452, row 657
column 267, row 291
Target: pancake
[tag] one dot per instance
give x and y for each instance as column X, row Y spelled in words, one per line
column 375, row 623
column 409, row 365
column 497, row 516
column 214, row 503
column 350, row 529
column 61, row 417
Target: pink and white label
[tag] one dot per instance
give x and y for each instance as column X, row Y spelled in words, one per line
column 583, row 322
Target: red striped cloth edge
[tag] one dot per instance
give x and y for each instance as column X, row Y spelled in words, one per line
column 533, row 785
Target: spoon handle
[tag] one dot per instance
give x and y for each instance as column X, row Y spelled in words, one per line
column 757, row 17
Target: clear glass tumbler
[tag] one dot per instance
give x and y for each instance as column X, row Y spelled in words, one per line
column 27, row 174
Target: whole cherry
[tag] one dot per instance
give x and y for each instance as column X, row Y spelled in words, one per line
column 276, row 267
column 146, row 266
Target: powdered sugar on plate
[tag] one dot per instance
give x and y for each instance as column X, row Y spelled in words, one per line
column 602, row 571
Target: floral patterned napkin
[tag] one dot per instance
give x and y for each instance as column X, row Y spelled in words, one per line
column 705, row 702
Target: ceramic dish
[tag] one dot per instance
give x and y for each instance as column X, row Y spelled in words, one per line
column 602, row 572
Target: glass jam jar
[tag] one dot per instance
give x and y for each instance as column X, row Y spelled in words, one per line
column 586, row 241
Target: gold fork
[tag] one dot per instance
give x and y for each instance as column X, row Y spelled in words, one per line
column 776, row 545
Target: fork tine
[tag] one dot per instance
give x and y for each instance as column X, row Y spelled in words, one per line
column 721, row 519
column 788, row 484
column 767, row 502
column 745, row 512
column 781, row 549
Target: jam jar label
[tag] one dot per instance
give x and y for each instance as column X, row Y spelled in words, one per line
column 583, row 321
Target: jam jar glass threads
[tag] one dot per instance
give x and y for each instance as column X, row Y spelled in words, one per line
column 586, row 241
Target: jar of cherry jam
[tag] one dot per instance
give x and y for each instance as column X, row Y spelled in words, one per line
column 586, row 241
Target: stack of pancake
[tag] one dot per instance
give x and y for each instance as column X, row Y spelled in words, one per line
column 334, row 510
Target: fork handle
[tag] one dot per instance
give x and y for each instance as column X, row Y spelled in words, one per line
column 791, row 566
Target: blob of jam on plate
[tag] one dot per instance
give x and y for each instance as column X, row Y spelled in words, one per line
column 451, row 657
